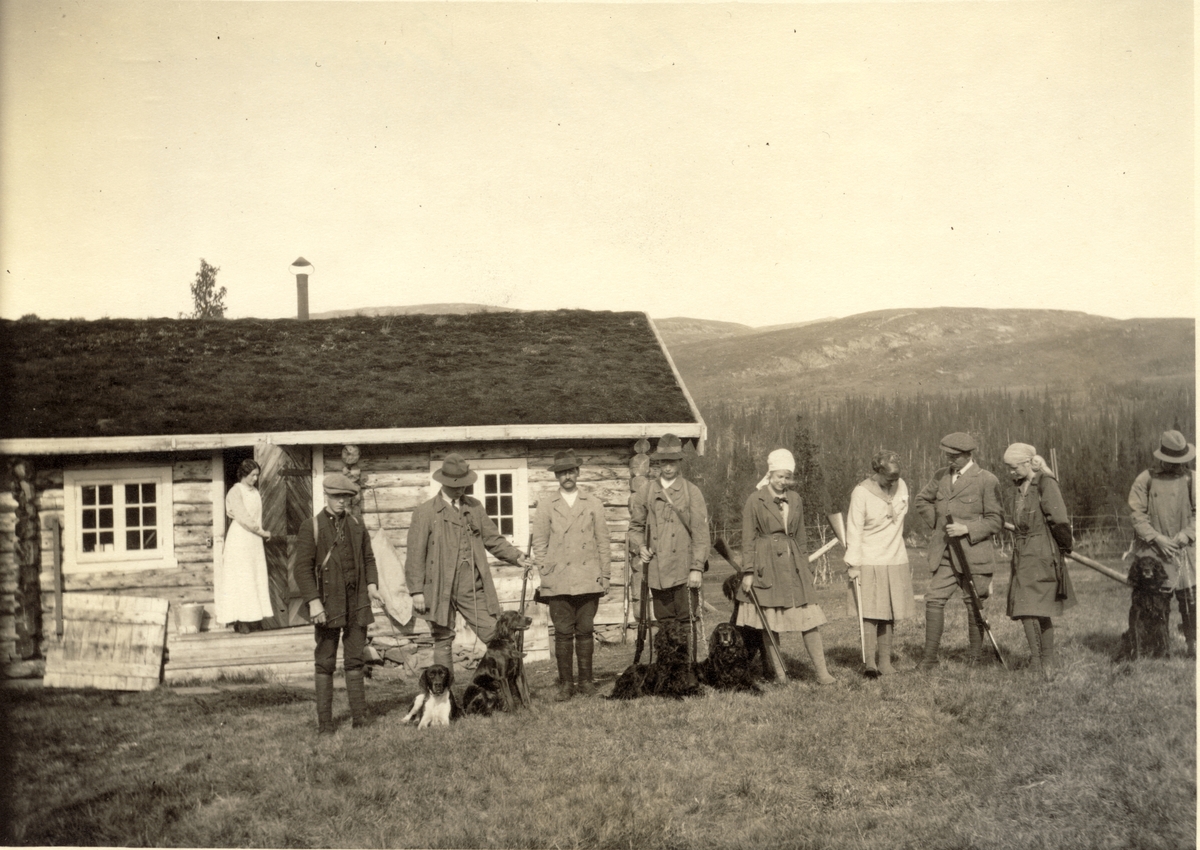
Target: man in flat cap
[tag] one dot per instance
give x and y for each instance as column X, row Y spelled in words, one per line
column 446, row 566
column 335, row 573
column 962, row 501
column 1162, row 502
column 668, row 529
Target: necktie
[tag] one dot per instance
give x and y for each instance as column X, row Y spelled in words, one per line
column 780, row 500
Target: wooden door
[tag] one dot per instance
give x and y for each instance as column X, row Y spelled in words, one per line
column 110, row 642
column 286, row 487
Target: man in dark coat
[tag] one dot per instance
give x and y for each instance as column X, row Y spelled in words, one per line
column 335, row 573
column 446, row 566
column 969, row 496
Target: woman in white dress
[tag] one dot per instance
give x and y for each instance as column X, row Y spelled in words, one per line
column 875, row 554
column 243, row 596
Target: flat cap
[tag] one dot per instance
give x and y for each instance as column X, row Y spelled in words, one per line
column 959, row 442
column 338, row 483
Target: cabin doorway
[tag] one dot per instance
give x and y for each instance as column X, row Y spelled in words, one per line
column 285, row 483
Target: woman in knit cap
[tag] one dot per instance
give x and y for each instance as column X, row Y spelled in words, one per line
column 775, row 566
column 1040, row 587
column 875, row 554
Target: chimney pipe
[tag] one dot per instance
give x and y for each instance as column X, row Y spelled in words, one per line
column 302, row 268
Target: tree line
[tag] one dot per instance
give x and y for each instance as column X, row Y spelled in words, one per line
column 1102, row 437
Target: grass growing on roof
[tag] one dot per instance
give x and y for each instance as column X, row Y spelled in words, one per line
column 981, row 758
column 119, row 377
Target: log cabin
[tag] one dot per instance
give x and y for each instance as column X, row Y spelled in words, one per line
column 122, row 437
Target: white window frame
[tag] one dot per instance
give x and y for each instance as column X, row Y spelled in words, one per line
column 519, row 467
column 75, row 560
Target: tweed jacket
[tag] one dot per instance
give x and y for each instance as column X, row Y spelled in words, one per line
column 432, row 556
column 1165, row 503
column 679, row 545
column 974, row 501
column 570, row 545
column 775, row 555
column 328, row 583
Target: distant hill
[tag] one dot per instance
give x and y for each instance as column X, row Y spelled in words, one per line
column 936, row 350
column 429, row 309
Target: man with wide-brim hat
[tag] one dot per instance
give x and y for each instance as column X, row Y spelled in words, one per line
column 668, row 533
column 961, row 501
column 336, row 576
column 446, row 566
column 571, row 550
column 1162, row 503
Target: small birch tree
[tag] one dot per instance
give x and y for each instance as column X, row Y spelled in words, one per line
column 209, row 301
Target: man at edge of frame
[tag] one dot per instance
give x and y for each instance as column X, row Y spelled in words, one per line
column 970, row 496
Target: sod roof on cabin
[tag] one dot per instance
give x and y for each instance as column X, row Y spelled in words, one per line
column 127, row 377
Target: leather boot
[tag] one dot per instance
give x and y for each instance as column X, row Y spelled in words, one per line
column 356, row 693
column 1049, row 660
column 585, row 646
column 1187, row 616
column 324, row 687
column 974, row 638
column 563, row 652
column 884, row 642
column 816, row 653
column 1033, row 637
column 935, row 619
column 870, row 639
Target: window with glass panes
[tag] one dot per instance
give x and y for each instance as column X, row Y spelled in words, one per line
column 119, row 517
column 498, row 500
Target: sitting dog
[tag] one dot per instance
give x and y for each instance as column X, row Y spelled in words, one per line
column 727, row 667
column 1149, row 612
column 435, row 705
column 497, row 684
column 752, row 638
column 671, row 674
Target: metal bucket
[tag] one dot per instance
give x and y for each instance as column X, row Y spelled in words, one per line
column 191, row 618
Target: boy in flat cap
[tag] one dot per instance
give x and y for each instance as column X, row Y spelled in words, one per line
column 446, row 564
column 1162, row 502
column 668, row 529
column 335, row 573
column 570, row 547
column 962, row 501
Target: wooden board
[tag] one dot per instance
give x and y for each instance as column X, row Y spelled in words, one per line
column 110, row 642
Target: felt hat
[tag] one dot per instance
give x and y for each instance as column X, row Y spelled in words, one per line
column 338, row 484
column 1173, row 447
column 564, row 461
column 455, row 472
column 959, row 442
column 669, row 447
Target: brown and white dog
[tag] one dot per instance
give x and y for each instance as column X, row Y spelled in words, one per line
column 435, row 705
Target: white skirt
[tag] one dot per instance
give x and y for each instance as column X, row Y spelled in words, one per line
column 242, row 592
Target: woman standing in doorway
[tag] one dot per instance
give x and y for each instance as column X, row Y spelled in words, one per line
column 243, row 597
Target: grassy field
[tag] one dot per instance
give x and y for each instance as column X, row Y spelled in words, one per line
column 1102, row 757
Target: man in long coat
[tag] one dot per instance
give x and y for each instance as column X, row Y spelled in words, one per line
column 446, row 566
column 970, row 496
column 335, row 574
column 668, row 529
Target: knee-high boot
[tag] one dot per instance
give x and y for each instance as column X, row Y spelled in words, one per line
column 324, row 687
column 1049, row 659
column 585, row 646
column 816, row 652
column 356, row 693
column 974, row 636
column 1187, row 616
column 935, row 619
column 884, row 642
column 1033, row 636
column 563, row 651
column 870, row 634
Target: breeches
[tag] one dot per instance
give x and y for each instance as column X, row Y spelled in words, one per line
column 944, row 584
column 354, row 641
column 573, row 615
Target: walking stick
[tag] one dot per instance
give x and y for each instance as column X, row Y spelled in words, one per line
column 963, row 573
column 862, row 634
column 772, row 640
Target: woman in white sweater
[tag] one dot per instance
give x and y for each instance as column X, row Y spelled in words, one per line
column 875, row 554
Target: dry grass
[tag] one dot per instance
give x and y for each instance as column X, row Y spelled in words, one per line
column 981, row 758
column 160, row 376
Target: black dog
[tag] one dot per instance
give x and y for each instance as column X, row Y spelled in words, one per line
column 671, row 675
column 752, row 638
column 497, row 684
column 727, row 665
column 1149, row 612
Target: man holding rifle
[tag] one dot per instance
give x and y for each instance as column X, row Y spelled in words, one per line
column 962, row 503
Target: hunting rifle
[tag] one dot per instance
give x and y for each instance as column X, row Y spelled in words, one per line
column 772, row 640
column 963, row 572
column 522, row 685
column 644, row 602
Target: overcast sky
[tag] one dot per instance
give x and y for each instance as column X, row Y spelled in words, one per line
column 754, row 163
